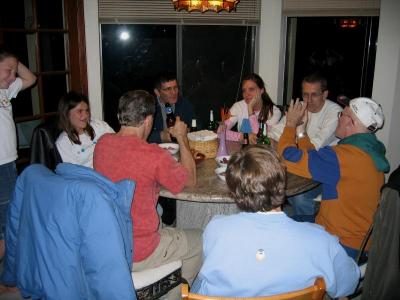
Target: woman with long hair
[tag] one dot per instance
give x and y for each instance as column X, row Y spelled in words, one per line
column 80, row 133
column 256, row 106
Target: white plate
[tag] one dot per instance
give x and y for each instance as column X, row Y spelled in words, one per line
column 171, row 147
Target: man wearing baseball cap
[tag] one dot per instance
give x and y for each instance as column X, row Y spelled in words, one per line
column 351, row 173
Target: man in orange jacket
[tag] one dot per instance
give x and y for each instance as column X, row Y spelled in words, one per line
column 351, row 173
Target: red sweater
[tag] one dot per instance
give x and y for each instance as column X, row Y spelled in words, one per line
column 150, row 167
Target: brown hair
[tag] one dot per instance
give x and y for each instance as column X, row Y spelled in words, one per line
column 316, row 77
column 256, row 178
column 267, row 104
column 67, row 102
column 6, row 54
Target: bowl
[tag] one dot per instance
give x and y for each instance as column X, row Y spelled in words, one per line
column 222, row 160
column 171, row 147
column 220, row 171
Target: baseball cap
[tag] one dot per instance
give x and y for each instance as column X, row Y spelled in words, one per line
column 368, row 112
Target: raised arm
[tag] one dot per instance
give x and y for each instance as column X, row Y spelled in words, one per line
column 179, row 131
column 26, row 76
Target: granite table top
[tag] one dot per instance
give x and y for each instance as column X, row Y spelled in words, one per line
column 211, row 189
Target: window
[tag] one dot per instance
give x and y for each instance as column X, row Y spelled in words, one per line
column 344, row 54
column 209, row 60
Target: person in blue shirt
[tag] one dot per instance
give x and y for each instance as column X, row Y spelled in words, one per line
column 166, row 89
column 262, row 252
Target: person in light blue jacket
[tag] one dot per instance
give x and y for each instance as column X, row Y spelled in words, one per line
column 262, row 252
column 69, row 235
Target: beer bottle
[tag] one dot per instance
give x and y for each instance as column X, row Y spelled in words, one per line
column 260, row 133
column 170, row 116
column 264, row 140
column 194, row 125
column 211, row 124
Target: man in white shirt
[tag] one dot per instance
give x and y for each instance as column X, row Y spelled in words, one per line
column 322, row 118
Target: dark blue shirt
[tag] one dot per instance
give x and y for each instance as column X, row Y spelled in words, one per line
column 183, row 109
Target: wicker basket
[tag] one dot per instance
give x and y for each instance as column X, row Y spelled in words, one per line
column 208, row 148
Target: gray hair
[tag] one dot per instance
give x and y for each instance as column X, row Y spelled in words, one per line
column 134, row 107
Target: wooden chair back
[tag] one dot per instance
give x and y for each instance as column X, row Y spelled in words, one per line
column 314, row 292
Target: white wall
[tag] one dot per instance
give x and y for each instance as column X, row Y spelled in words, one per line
column 92, row 34
column 270, row 56
column 386, row 89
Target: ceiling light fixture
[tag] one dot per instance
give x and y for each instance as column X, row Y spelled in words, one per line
column 204, row 5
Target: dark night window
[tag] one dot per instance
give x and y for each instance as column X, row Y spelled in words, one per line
column 344, row 54
column 209, row 60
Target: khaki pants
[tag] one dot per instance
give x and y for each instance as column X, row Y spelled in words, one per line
column 177, row 244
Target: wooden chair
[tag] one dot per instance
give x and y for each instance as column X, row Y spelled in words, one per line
column 314, row 292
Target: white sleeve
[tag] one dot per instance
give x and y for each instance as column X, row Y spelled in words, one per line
column 326, row 131
column 65, row 148
column 235, row 112
column 275, row 131
column 276, row 116
column 100, row 128
column 346, row 274
column 14, row 88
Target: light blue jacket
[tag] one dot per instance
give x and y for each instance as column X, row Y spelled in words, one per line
column 253, row 254
column 69, row 235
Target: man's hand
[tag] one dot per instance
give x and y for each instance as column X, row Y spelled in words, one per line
column 179, row 130
column 296, row 114
column 165, row 136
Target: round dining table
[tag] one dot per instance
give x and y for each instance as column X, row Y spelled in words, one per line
column 195, row 206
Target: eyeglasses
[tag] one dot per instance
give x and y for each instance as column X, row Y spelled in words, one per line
column 170, row 89
column 312, row 95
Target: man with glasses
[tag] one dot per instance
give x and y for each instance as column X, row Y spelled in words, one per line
column 167, row 91
column 321, row 113
column 350, row 173
column 320, row 128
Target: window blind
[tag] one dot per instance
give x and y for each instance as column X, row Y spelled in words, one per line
column 321, row 8
column 162, row 12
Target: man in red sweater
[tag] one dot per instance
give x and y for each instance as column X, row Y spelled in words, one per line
column 127, row 155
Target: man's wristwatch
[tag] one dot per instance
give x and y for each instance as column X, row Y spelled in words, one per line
column 301, row 135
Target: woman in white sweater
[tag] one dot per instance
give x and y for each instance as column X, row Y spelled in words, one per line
column 256, row 106
column 80, row 133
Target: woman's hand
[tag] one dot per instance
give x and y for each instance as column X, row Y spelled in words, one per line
column 255, row 103
column 252, row 138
